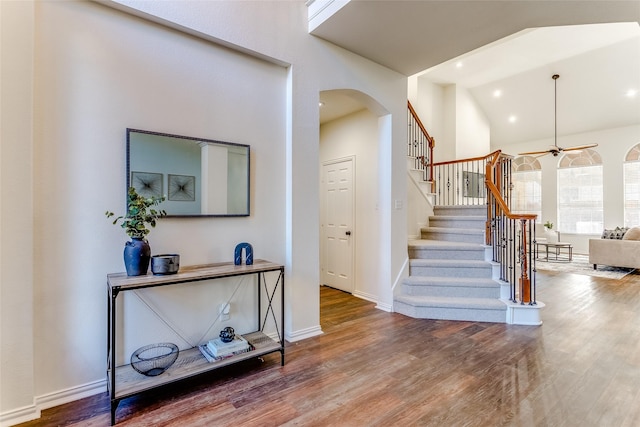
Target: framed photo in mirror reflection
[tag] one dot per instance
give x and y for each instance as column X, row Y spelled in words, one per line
column 147, row 184
column 182, row 188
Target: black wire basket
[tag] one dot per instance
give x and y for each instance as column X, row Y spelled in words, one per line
column 154, row 359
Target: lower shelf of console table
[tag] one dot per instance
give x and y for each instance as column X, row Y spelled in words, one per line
column 190, row 362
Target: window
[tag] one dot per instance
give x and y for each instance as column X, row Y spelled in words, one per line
column 526, row 196
column 580, row 206
column 632, row 187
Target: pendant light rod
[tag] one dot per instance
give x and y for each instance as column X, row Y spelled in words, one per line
column 555, row 150
column 555, row 78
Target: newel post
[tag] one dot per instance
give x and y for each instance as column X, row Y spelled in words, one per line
column 525, row 282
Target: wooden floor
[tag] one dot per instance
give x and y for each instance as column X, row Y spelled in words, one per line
column 372, row 368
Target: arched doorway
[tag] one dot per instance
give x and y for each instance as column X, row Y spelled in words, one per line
column 350, row 222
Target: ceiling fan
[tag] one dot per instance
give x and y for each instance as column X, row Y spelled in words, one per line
column 554, row 149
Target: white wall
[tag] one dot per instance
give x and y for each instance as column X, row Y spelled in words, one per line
column 356, row 135
column 452, row 117
column 427, row 99
column 16, row 208
column 473, row 136
column 613, row 147
column 98, row 71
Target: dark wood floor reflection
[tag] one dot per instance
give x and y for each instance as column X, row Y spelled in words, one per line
column 372, row 368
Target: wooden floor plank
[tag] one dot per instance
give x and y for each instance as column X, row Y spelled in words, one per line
column 373, row 368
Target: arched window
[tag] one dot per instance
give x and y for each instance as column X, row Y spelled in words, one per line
column 580, row 200
column 632, row 187
column 526, row 196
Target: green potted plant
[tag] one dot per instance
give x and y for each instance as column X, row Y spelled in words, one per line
column 550, row 235
column 140, row 212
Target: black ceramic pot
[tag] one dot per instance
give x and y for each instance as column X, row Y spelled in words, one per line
column 137, row 254
column 165, row 264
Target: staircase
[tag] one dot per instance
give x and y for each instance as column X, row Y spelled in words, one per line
column 449, row 275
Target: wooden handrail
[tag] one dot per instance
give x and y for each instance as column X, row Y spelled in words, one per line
column 471, row 159
column 491, row 164
column 421, row 126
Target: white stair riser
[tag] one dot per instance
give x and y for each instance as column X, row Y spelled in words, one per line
column 452, row 236
column 450, row 313
column 480, row 210
column 474, row 224
column 458, row 271
column 432, row 253
column 451, row 291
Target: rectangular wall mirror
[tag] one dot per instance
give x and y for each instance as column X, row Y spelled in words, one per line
column 200, row 177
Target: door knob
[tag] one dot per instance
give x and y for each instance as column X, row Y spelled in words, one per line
column 348, row 233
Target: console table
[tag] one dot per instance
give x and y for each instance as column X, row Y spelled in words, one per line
column 123, row 381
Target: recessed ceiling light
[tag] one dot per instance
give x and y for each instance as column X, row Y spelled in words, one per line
column 497, row 93
column 459, row 64
column 512, row 119
column 632, row 93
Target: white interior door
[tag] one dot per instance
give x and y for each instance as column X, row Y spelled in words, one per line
column 338, row 224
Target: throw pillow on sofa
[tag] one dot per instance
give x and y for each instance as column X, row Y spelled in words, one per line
column 606, row 234
column 618, row 233
column 632, row 234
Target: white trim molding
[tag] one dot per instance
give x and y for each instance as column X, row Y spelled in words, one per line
column 304, row 334
column 49, row 400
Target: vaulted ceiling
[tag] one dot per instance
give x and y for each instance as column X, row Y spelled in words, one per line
column 513, row 47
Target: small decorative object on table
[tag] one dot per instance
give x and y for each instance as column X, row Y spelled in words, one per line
column 165, row 264
column 154, row 359
column 237, row 256
column 227, row 334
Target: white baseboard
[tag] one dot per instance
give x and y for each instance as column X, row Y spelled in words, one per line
column 69, row 395
column 372, row 298
column 385, row 307
column 304, row 334
column 365, row 296
column 50, row 400
column 20, row 415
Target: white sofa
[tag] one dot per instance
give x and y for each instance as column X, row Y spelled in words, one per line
column 624, row 252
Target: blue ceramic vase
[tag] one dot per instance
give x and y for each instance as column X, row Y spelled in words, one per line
column 137, row 254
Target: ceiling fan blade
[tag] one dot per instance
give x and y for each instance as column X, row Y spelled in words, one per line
column 534, row 152
column 580, row 147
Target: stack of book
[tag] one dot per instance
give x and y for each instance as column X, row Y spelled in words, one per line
column 216, row 349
